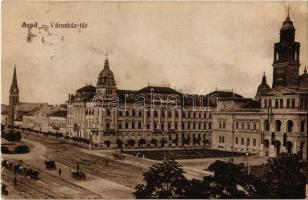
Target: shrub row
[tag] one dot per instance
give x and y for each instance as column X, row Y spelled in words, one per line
column 11, row 135
column 17, row 150
column 78, row 139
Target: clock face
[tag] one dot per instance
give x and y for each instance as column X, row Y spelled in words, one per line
column 15, row 90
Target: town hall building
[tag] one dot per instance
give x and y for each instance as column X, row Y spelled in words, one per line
column 276, row 121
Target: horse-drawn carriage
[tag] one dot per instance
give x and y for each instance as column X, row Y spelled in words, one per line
column 28, row 172
column 20, row 169
column 50, row 164
column 78, row 175
column 31, row 173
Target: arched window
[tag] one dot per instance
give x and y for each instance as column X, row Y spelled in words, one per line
column 290, row 126
column 236, row 140
column 278, row 125
column 266, row 125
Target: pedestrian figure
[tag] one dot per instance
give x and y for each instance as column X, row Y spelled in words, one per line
column 77, row 167
column 15, row 181
column 60, row 171
column 107, row 162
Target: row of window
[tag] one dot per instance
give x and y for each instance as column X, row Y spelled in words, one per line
column 249, row 125
column 254, row 141
column 185, row 114
column 279, row 103
column 139, row 113
column 185, row 126
column 221, row 139
column 289, row 126
column 169, row 136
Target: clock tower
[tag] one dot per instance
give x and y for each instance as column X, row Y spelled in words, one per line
column 286, row 57
column 13, row 98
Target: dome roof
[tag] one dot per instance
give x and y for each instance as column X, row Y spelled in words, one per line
column 287, row 24
column 106, row 77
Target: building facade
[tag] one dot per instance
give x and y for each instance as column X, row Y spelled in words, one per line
column 46, row 118
column 276, row 121
column 151, row 116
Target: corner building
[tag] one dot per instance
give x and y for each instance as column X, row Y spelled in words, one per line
column 276, row 120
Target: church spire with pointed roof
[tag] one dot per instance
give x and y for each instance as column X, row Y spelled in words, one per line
column 13, row 98
column 14, row 86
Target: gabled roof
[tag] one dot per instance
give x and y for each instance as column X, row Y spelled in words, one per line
column 283, row 90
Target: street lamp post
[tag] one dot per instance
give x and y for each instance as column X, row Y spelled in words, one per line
column 164, row 141
column 247, row 155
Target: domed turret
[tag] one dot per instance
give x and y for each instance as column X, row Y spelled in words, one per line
column 303, row 79
column 106, row 84
column 262, row 88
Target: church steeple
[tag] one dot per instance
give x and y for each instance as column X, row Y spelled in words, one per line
column 13, row 98
column 14, row 86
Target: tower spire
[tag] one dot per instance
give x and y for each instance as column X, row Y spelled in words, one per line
column 106, row 65
column 263, row 79
column 14, row 80
column 288, row 17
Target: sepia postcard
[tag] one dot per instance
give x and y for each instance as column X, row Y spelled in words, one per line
column 154, row 100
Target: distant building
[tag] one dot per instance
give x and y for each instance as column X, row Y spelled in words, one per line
column 12, row 114
column 46, row 118
column 5, row 110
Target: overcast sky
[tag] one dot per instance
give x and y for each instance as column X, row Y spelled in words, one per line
column 192, row 46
